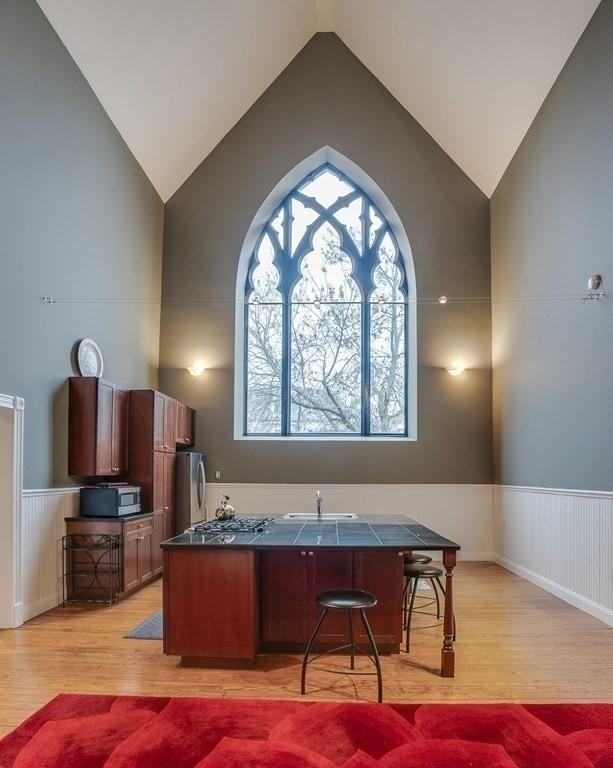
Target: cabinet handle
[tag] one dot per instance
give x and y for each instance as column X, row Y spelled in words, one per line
column 401, row 554
column 303, row 554
column 310, row 554
column 140, row 538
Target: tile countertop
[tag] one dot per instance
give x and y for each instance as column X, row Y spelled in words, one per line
column 366, row 532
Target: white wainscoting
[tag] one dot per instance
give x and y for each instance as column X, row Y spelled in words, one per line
column 462, row 513
column 42, row 528
column 561, row 540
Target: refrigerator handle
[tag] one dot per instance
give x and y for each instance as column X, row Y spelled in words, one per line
column 201, row 481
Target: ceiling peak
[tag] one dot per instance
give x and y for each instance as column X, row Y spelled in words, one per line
column 325, row 15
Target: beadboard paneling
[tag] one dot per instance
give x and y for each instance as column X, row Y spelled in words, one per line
column 462, row 513
column 42, row 527
column 560, row 540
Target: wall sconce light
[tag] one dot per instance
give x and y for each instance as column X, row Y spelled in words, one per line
column 197, row 369
column 456, row 369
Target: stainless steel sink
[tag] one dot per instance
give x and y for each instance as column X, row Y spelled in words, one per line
column 331, row 517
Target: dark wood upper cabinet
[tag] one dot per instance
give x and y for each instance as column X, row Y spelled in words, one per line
column 97, row 427
column 186, row 418
column 170, row 424
column 159, row 423
column 164, row 421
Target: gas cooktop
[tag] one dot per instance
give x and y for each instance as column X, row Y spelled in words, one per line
column 235, row 525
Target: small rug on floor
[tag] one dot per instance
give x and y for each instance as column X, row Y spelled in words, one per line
column 143, row 732
column 150, row 629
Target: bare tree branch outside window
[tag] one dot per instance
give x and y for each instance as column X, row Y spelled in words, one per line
column 322, row 273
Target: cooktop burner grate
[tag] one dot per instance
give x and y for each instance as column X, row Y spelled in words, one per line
column 235, row 525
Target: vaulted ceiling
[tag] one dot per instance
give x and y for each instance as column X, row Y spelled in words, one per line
column 176, row 75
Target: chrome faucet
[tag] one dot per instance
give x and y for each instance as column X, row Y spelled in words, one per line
column 319, row 502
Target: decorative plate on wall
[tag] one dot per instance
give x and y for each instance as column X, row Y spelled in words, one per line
column 89, row 358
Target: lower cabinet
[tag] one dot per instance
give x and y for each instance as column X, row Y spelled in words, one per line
column 284, row 597
column 159, row 535
column 291, row 580
column 382, row 574
column 140, row 555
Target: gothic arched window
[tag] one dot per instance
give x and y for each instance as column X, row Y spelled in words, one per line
column 326, row 322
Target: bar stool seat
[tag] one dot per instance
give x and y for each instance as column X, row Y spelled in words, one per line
column 422, row 571
column 413, row 573
column 348, row 600
column 411, row 557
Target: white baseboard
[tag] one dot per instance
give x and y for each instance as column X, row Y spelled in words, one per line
column 560, row 540
column 42, row 528
column 578, row 601
column 26, row 611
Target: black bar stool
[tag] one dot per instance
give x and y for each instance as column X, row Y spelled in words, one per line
column 345, row 600
column 411, row 558
column 413, row 572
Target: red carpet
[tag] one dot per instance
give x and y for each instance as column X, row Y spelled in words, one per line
column 75, row 731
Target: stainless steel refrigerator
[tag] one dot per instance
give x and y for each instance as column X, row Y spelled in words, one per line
column 191, row 485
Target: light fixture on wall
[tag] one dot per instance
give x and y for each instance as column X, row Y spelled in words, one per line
column 197, row 369
column 595, row 288
column 456, row 369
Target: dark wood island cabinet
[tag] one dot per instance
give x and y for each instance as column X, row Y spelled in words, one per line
column 227, row 597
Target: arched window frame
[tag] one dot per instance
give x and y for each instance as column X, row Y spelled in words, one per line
column 290, row 273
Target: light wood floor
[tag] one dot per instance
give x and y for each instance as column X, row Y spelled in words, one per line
column 515, row 643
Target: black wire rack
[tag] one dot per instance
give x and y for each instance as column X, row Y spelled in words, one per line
column 91, row 568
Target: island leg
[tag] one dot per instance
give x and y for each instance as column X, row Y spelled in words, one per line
column 447, row 652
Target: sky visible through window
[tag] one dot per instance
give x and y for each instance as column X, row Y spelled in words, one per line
column 326, row 317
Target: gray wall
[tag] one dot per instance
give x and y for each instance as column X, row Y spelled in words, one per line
column 326, row 97
column 551, row 229
column 78, row 219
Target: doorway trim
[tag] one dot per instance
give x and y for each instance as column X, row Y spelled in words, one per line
column 11, row 492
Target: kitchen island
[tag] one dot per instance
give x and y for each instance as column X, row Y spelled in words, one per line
column 230, row 595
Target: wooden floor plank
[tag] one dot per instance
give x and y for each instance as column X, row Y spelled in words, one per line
column 515, row 643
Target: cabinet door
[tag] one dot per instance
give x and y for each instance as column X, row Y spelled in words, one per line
column 170, row 424
column 328, row 570
column 190, row 426
column 381, row 573
column 159, row 402
column 158, row 481
column 145, row 554
column 104, row 429
column 158, row 538
column 131, row 576
column 120, row 431
column 180, row 423
column 284, row 596
column 169, row 492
